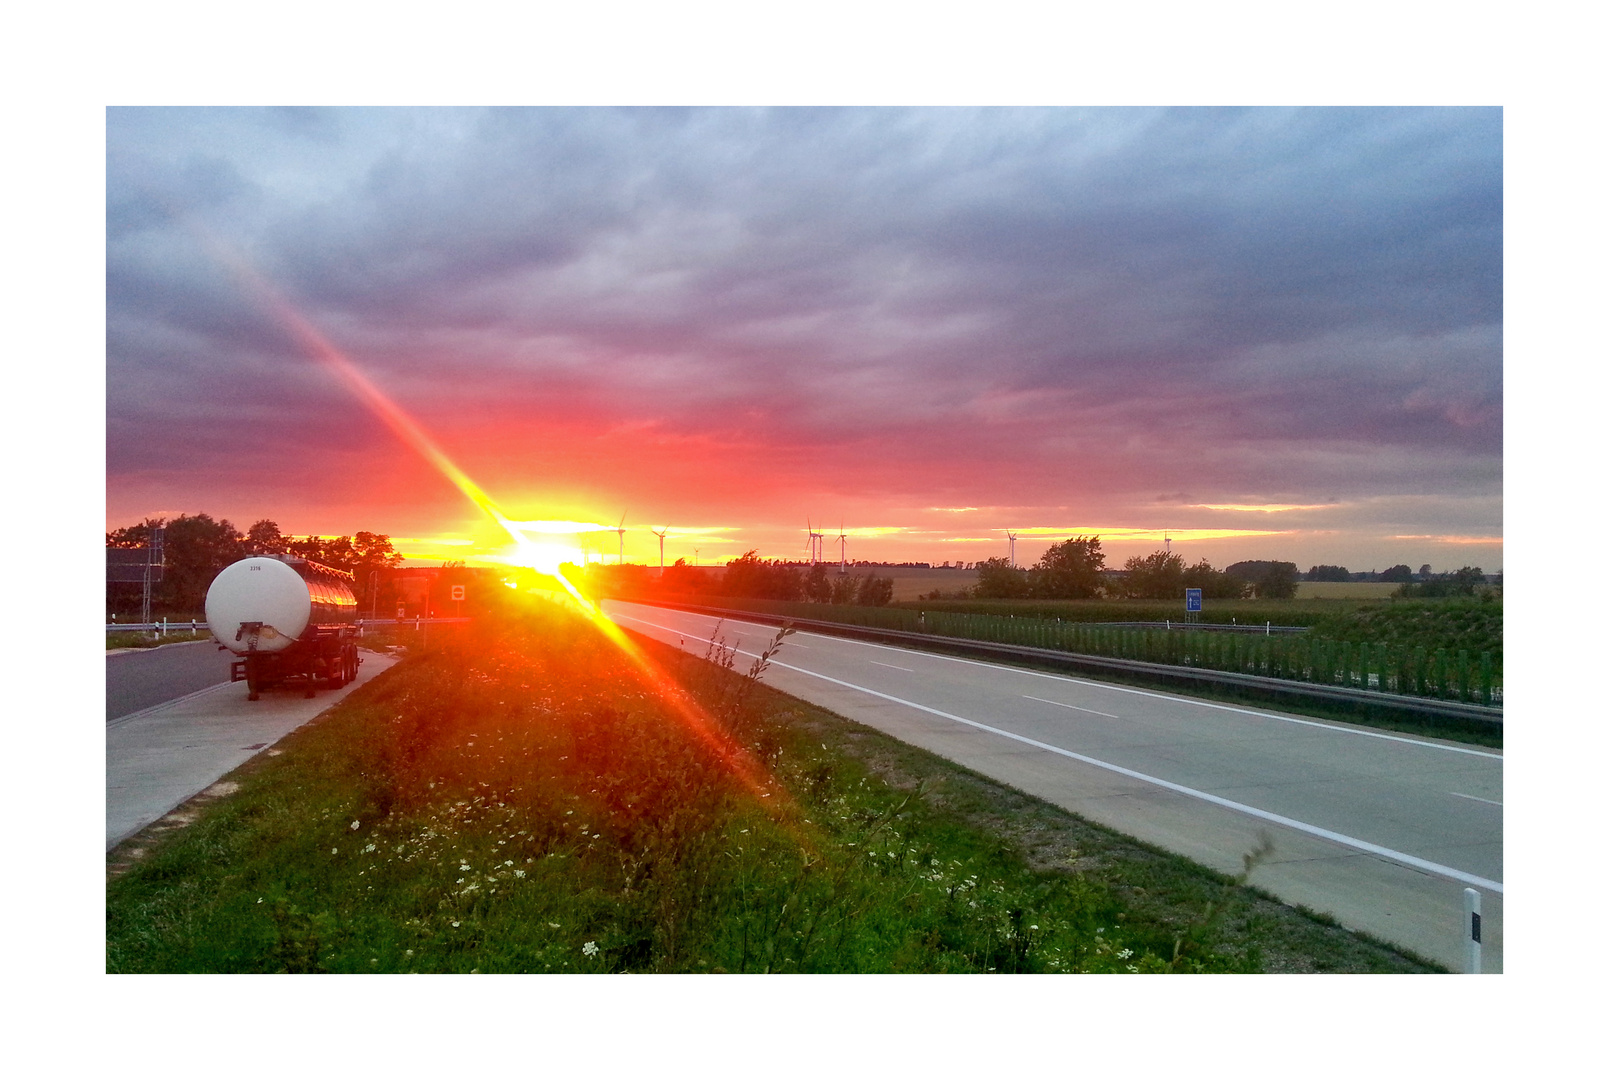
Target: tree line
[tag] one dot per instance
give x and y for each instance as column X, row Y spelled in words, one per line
column 748, row 577
column 1461, row 582
column 195, row 547
column 1075, row 569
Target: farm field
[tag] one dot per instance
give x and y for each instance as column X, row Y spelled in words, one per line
column 1345, row 590
column 521, row 798
column 912, row 583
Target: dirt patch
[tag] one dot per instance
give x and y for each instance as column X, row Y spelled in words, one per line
column 125, row 856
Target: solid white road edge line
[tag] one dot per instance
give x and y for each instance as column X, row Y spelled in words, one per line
column 1113, row 687
column 1264, row 815
column 896, row 667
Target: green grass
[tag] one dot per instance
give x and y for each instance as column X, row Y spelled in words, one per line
column 139, row 639
column 520, row 798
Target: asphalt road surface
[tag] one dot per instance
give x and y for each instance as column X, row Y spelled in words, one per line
column 141, row 678
column 1384, row 832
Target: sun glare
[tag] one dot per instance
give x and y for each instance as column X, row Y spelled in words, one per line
column 546, row 558
column 542, row 555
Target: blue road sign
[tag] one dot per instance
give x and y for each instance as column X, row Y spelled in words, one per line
column 1192, row 599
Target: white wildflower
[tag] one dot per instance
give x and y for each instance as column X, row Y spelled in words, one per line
column 355, row 825
column 590, row 949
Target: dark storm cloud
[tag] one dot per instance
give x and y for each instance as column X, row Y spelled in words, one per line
column 1022, row 288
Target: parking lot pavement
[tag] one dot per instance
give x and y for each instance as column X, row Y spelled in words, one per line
column 161, row 756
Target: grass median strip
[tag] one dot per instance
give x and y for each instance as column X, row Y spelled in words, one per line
column 523, row 799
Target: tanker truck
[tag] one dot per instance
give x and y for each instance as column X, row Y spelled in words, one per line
column 287, row 620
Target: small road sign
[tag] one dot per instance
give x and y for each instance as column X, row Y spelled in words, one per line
column 1192, row 599
column 458, row 592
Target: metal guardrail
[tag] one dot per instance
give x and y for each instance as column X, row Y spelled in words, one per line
column 1431, row 708
column 162, row 626
column 196, row 626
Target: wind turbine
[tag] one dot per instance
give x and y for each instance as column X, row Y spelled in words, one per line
column 843, row 558
column 661, row 534
column 1013, row 538
column 813, row 543
column 621, row 529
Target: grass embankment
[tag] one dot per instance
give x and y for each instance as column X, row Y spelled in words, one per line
column 140, row 639
column 526, row 801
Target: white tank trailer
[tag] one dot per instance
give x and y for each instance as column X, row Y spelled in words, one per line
column 287, row 620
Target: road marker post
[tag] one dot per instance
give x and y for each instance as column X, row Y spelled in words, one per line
column 1472, row 932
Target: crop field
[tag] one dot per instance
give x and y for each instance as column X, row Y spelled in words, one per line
column 915, row 582
column 1253, row 612
column 523, row 798
column 1345, row 590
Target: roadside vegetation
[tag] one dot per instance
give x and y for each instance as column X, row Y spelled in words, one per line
column 195, row 547
column 520, row 797
column 1444, row 649
column 1439, row 638
column 140, row 639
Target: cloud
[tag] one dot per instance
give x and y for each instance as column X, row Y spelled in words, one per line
column 974, row 308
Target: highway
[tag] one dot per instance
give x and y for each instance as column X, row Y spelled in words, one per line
column 1382, row 831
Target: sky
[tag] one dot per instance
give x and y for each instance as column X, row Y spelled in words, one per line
column 1262, row 333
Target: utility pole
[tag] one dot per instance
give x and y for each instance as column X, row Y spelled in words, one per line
column 153, row 561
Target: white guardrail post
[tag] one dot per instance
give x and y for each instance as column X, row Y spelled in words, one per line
column 1472, row 932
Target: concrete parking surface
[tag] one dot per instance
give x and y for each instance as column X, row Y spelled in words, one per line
column 162, row 755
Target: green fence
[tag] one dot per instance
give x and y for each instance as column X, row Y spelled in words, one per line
column 1441, row 673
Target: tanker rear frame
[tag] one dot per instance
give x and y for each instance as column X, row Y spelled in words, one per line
column 329, row 655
